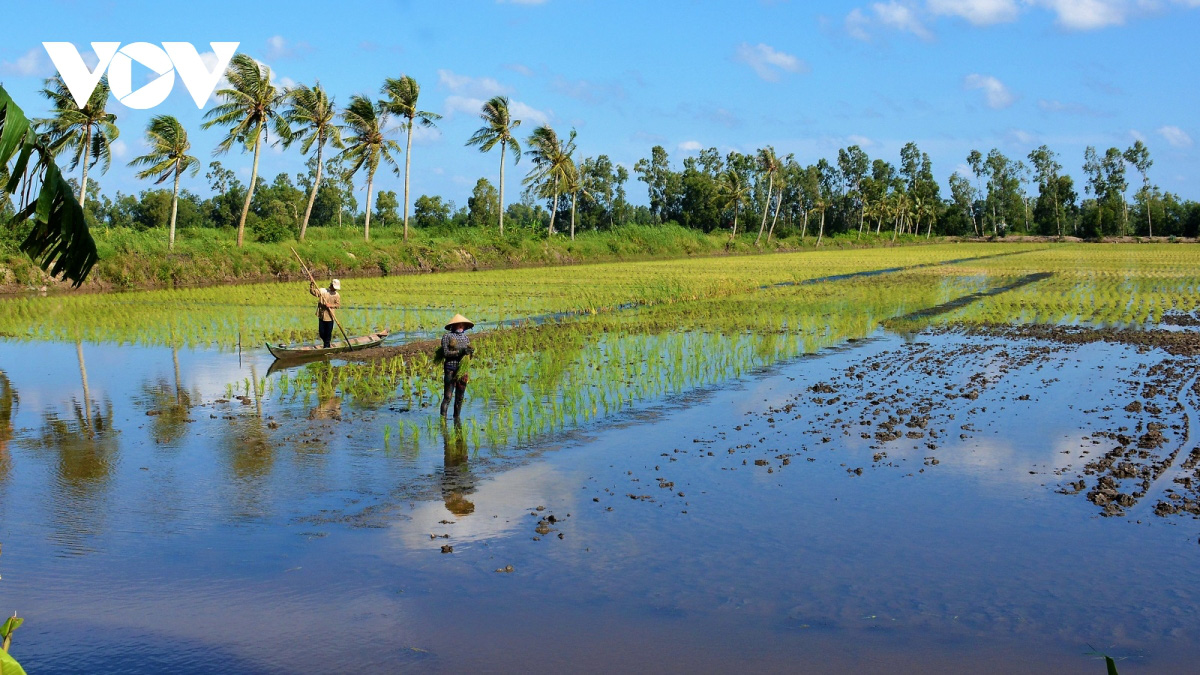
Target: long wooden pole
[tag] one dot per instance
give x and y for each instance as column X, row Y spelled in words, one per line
column 349, row 346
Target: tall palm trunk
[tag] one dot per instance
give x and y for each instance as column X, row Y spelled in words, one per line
column 367, row 223
column 174, row 209
column 554, row 206
column 804, row 230
column 821, row 232
column 250, row 191
column 735, row 216
column 502, row 148
column 766, row 209
column 775, row 218
column 862, row 207
column 87, row 149
column 407, row 163
column 574, row 197
column 312, row 196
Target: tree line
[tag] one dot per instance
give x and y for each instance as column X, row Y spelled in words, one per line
column 759, row 191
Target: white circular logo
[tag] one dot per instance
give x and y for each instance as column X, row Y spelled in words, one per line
column 120, row 75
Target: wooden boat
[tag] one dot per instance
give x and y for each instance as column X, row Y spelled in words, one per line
column 336, row 346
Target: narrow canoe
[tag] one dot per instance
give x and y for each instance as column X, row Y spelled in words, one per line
column 301, row 351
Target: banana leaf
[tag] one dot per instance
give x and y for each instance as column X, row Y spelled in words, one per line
column 59, row 242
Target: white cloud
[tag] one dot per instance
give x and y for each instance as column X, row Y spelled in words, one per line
column 691, row 146
column 462, row 104
column 119, row 149
column 1177, row 137
column 995, row 93
column 475, row 87
column 471, row 106
column 528, row 114
column 767, row 61
column 426, row 135
column 280, row 48
column 1080, row 15
column 902, row 18
column 860, row 141
column 856, row 25
column 1020, row 137
column 32, row 62
column 520, row 69
column 978, row 12
column 1088, row 14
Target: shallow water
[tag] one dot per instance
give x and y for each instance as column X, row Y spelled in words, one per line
column 269, row 555
column 272, row 535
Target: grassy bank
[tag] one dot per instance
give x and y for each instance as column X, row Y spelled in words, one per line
column 131, row 259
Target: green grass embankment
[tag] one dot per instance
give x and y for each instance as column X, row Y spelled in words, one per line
column 131, row 259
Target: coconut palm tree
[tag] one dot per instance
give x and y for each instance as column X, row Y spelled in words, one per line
column 167, row 158
column 400, row 99
column 768, row 163
column 552, row 164
column 576, row 186
column 498, row 128
column 732, row 190
column 86, row 133
column 250, row 105
column 368, row 144
column 312, row 115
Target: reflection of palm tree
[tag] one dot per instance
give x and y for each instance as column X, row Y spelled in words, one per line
column 8, row 407
column 85, row 447
column 457, row 481
column 251, row 454
column 171, row 406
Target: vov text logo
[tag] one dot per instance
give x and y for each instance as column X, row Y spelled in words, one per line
column 166, row 61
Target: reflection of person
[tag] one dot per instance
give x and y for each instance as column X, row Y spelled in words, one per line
column 327, row 301
column 455, row 346
column 457, row 481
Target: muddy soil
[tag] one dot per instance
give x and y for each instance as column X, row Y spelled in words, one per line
column 921, row 404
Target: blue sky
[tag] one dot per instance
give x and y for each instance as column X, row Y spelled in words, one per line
column 805, row 77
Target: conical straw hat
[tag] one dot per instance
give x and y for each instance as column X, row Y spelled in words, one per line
column 459, row 318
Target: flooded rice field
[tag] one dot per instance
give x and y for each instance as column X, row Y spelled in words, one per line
column 984, row 458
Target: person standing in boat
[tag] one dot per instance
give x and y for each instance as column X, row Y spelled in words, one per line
column 455, row 346
column 328, row 300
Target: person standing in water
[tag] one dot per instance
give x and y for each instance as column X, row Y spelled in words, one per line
column 455, row 346
column 327, row 301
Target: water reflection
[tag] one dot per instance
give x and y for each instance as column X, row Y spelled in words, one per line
column 457, row 480
column 8, row 407
column 84, row 446
column 248, row 448
column 169, row 406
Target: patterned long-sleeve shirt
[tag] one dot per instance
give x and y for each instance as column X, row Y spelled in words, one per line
column 453, row 346
column 326, row 300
